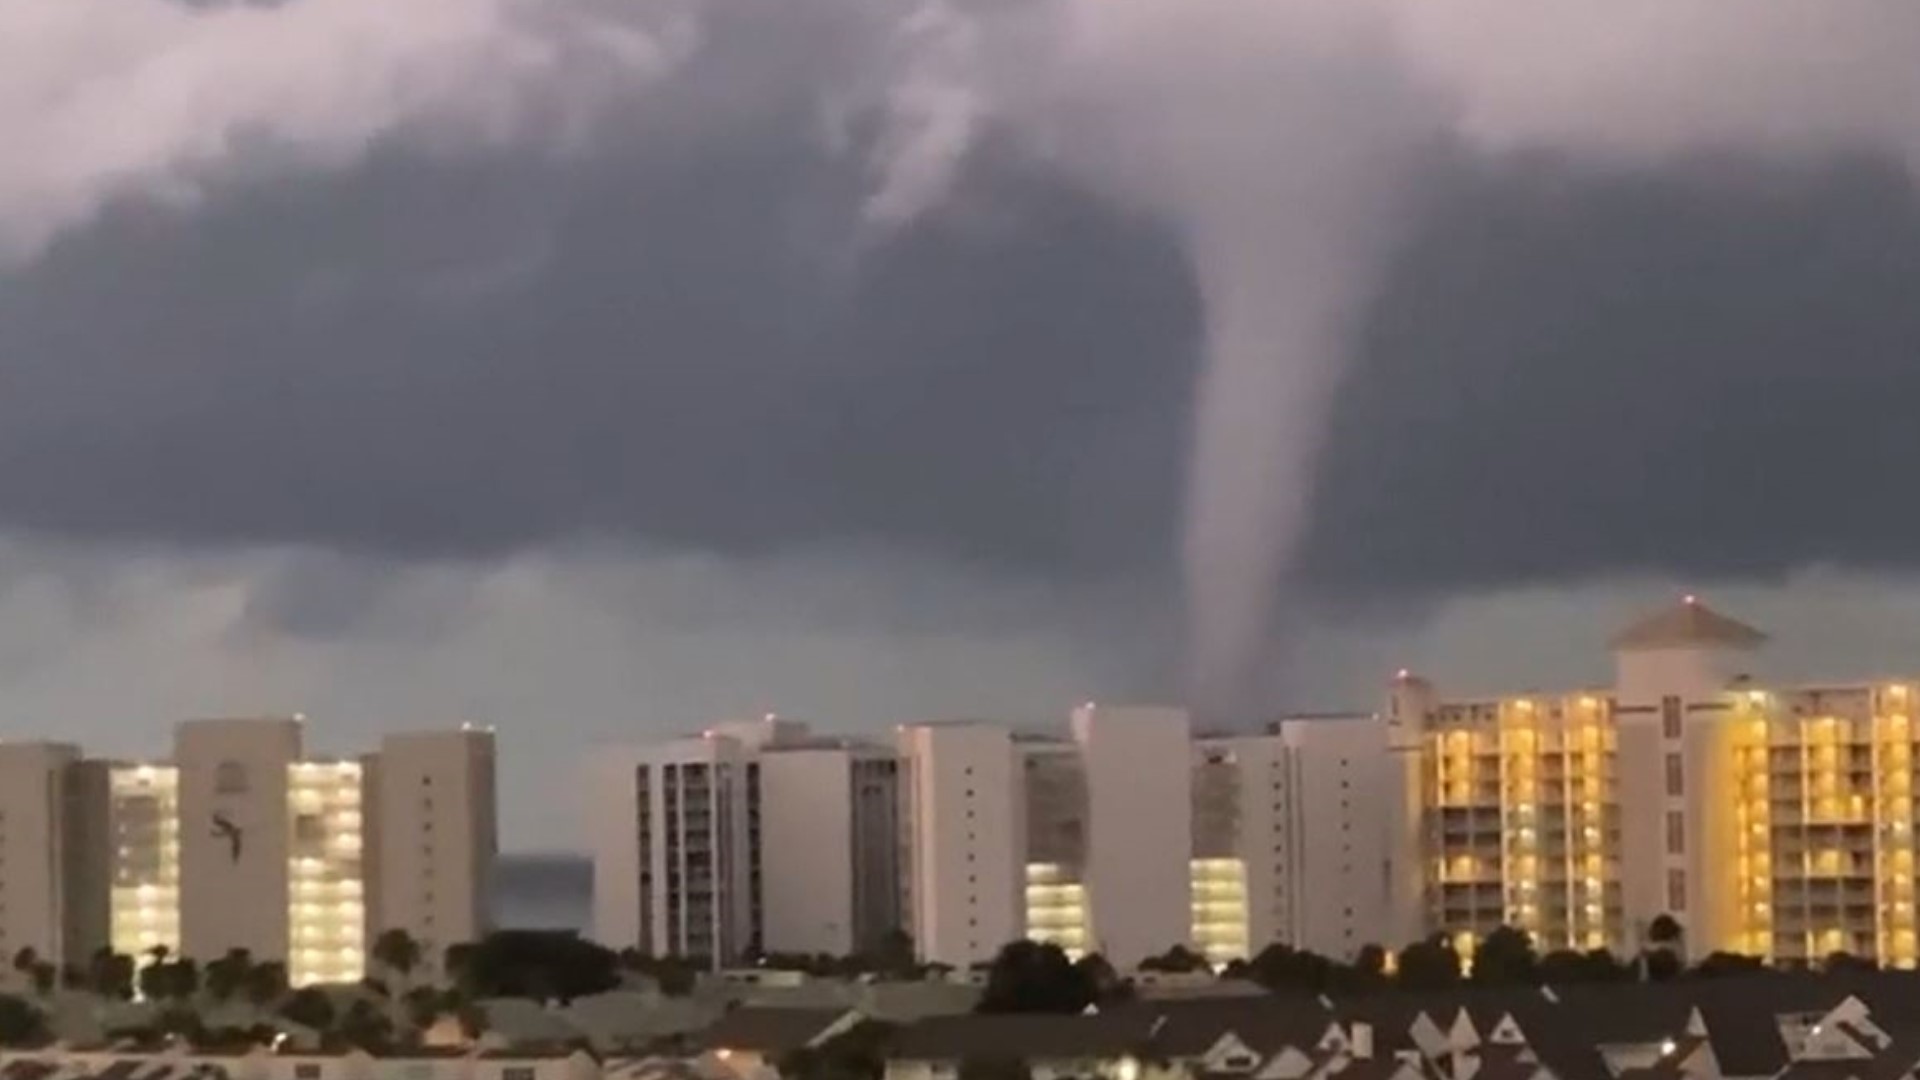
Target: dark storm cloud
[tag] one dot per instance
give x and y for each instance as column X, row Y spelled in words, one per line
column 1709, row 373
column 436, row 358
column 685, row 341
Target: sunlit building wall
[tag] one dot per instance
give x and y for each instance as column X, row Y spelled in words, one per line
column 1054, row 791
column 326, row 916
column 236, row 834
column 144, row 838
column 1216, row 875
column 1520, row 823
column 1219, row 907
column 1823, row 823
column 244, row 842
column 1773, row 821
column 1134, row 833
column 1056, row 908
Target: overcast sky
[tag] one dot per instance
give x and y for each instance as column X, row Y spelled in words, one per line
column 605, row 434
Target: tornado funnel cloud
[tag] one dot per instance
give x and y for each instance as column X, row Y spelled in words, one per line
column 1259, row 419
column 1281, row 306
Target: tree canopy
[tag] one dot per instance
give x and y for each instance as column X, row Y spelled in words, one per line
column 539, row 964
column 1036, row 977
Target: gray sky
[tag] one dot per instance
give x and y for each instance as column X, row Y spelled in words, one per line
column 624, row 414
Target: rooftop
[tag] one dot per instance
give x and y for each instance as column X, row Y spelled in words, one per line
column 1687, row 624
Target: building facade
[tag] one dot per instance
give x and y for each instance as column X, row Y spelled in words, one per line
column 1773, row 821
column 1133, row 833
column 240, row 841
column 752, row 837
column 39, row 860
column 1685, row 794
column 965, row 837
column 430, row 857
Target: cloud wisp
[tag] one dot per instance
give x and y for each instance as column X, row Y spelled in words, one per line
column 102, row 100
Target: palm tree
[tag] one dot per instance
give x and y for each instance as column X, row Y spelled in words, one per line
column 266, row 984
column 457, row 963
column 180, row 980
column 226, row 976
column 151, row 980
column 398, row 952
column 424, row 1006
column 25, row 961
column 110, row 974
column 309, row 1007
column 1665, row 931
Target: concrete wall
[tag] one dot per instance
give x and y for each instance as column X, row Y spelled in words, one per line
column 1260, row 837
column 1645, row 680
column 878, row 862
column 966, row 824
column 233, row 773
column 612, row 813
column 32, row 848
column 434, row 817
column 806, row 820
column 1139, row 767
column 90, row 844
column 1345, row 834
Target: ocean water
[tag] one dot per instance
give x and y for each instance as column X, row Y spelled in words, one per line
column 543, row 892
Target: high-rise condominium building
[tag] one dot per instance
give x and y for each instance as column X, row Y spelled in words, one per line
column 750, row 837
column 243, row 842
column 429, row 859
column 966, row 842
column 1775, row 821
column 40, row 868
column 1133, row 833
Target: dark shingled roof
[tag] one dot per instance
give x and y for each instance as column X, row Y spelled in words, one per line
column 1028, row 1036
column 767, row 1030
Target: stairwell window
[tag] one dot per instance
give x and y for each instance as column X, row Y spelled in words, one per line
column 1676, row 776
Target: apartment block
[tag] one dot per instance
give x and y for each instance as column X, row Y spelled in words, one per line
column 243, row 841
column 1133, row 833
column 237, row 834
column 830, row 846
column 968, row 877
column 750, row 837
column 1140, row 866
column 430, row 861
column 1769, row 820
column 39, row 860
column 1338, row 837
column 143, row 851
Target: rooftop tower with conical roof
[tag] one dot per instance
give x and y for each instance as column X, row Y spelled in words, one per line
column 1674, row 670
column 1685, row 648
